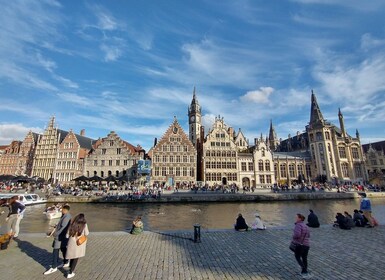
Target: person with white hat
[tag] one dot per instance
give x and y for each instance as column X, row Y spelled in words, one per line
column 258, row 224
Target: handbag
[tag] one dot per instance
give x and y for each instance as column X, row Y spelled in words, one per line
column 81, row 240
column 293, row 246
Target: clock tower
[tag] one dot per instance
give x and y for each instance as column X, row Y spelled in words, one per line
column 194, row 120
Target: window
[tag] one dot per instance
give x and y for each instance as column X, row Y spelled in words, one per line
column 357, row 170
column 157, row 171
column 344, row 168
column 207, row 153
column 192, row 159
column 268, row 179
column 178, row 159
column 342, row 152
column 318, row 136
column 103, row 162
column 164, row 158
column 327, row 135
column 282, row 168
column 171, row 148
column 184, row 171
column 95, row 163
column 178, row 148
column 260, row 165
column 164, row 171
column 291, row 171
column 104, row 151
column 125, row 162
column 171, row 158
column 110, row 162
column 267, row 165
column 184, row 159
column 263, row 152
column 262, row 179
column 243, row 166
column 117, row 162
column 119, row 151
column 251, row 166
column 177, row 171
column 111, row 143
column 355, row 153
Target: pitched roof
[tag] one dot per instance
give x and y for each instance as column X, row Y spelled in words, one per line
column 378, row 146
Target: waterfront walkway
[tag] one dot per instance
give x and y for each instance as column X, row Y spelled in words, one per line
column 335, row 254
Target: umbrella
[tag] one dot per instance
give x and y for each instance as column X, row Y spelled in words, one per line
column 122, row 178
column 81, row 178
column 95, row 178
column 110, row 178
column 6, row 177
column 22, row 178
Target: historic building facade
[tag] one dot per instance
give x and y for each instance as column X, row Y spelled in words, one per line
column 72, row 152
column 59, row 154
column 10, row 159
column 335, row 156
column 174, row 157
column 256, row 165
column 375, row 162
column 112, row 156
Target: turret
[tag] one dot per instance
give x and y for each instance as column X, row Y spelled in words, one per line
column 342, row 123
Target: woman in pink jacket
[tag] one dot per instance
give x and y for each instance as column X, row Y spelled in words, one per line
column 301, row 238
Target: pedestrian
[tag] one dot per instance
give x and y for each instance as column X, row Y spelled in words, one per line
column 301, row 238
column 258, row 223
column 16, row 210
column 312, row 220
column 75, row 250
column 366, row 208
column 60, row 240
column 137, row 226
column 240, row 224
column 358, row 218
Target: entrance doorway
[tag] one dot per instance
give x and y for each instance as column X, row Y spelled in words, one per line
column 224, row 181
column 246, row 182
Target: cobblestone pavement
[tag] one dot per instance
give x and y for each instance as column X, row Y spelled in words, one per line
column 335, row 254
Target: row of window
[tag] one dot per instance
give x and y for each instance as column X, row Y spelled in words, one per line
column 174, row 148
column 262, row 166
column 66, row 164
column 217, row 177
column 45, row 162
column 68, row 155
column 220, row 144
column 345, row 169
column 172, row 159
column 263, row 181
column 111, row 162
column 50, row 151
column 221, row 165
column 293, row 173
column 68, row 145
column 171, row 170
column 104, row 151
column 220, row 154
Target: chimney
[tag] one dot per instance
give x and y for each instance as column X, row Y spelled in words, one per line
column 82, row 132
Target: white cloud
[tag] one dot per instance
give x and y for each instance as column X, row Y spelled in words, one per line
column 15, row 131
column 74, row 98
column 258, row 96
column 369, row 42
column 111, row 53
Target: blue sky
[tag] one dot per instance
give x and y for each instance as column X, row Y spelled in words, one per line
column 130, row 66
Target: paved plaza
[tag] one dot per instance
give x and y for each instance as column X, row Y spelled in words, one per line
column 225, row 254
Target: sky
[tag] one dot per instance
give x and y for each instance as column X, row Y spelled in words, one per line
column 131, row 66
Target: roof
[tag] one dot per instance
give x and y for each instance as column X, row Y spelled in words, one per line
column 295, row 143
column 378, row 146
column 292, row 155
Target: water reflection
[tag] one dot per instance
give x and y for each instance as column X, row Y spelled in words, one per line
column 118, row 217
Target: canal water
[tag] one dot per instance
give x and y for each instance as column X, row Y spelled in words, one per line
column 172, row 217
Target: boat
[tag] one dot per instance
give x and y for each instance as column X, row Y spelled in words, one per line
column 28, row 198
column 53, row 214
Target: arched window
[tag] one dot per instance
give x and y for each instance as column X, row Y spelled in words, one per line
column 344, row 169
column 282, row 168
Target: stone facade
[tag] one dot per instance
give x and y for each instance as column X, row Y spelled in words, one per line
column 26, row 154
column 112, row 156
column 220, row 155
column 10, row 159
column 174, row 158
column 335, row 156
column 375, row 162
column 72, row 152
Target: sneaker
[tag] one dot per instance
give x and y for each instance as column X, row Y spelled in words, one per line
column 51, row 270
column 70, row 275
column 64, row 265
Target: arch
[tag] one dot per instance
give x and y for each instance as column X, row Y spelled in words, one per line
column 109, row 172
column 224, row 181
column 102, row 174
column 245, row 182
column 117, row 173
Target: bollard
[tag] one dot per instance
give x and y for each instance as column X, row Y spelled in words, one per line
column 197, row 233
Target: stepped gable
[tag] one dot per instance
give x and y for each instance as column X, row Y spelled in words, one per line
column 172, row 131
column 378, row 146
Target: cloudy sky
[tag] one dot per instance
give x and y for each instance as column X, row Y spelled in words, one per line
column 131, row 66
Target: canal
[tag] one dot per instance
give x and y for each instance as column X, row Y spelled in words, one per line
column 171, row 217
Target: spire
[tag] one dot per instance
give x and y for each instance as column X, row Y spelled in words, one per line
column 342, row 123
column 357, row 134
column 315, row 112
column 272, row 134
column 194, row 107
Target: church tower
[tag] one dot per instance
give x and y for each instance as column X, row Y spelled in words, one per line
column 321, row 145
column 273, row 140
column 194, row 120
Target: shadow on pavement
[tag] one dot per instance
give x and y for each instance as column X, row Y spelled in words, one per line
column 40, row 255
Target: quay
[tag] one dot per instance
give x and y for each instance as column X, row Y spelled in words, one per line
column 190, row 196
column 222, row 254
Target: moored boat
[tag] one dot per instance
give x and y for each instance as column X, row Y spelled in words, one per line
column 28, row 198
